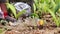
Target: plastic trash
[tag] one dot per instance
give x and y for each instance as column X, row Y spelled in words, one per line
column 23, row 6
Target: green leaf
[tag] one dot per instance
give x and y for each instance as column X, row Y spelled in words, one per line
column 57, row 1
column 36, row 1
column 34, row 6
column 34, row 15
column 11, row 6
column 42, row 1
column 57, row 8
column 47, row 1
column 20, row 13
column 54, row 17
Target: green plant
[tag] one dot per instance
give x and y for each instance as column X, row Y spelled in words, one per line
column 11, row 6
column 13, row 10
column 48, row 6
column 33, row 15
column 57, row 12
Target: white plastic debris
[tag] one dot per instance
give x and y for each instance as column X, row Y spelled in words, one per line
column 23, row 6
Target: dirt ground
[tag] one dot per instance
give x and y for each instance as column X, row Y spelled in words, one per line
column 27, row 27
column 32, row 30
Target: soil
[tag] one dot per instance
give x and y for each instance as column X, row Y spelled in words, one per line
column 32, row 30
column 28, row 27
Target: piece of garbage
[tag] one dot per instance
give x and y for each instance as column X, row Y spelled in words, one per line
column 23, row 6
column 40, row 22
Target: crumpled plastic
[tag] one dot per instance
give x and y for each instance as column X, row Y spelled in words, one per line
column 23, row 6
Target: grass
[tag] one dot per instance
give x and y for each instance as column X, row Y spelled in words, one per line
column 50, row 6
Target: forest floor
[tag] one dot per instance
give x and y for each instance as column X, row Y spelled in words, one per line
column 26, row 28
